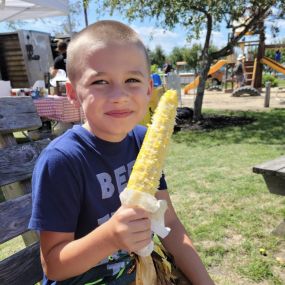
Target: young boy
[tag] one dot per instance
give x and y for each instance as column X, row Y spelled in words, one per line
column 85, row 234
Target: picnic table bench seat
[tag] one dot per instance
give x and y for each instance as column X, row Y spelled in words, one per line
column 16, row 165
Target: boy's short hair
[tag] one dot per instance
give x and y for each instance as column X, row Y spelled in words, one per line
column 101, row 31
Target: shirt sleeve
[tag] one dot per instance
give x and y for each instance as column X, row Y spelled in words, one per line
column 56, row 193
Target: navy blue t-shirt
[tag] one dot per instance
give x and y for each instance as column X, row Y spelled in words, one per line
column 78, row 178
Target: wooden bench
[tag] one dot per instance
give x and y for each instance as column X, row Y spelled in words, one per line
column 273, row 172
column 16, row 165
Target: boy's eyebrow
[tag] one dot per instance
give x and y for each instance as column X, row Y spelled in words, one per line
column 131, row 72
column 136, row 72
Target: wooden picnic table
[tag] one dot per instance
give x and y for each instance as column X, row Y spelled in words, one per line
column 16, row 165
column 58, row 108
column 273, row 172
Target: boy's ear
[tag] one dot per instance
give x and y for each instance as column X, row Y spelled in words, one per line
column 150, row 88
column 71, row 94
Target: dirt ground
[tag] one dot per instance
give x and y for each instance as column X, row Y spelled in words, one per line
column 221, row 100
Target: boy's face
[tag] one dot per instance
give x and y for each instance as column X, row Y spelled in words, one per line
column 114, row 89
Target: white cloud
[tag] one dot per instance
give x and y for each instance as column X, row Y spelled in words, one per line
column 153, row 37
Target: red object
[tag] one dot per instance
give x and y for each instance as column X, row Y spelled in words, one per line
column 58, row 108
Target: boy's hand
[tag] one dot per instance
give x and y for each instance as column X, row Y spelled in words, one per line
column 130, row 228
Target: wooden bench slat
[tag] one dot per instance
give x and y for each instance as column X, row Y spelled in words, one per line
column 18, row 113
column 14, row 218
column 22, row 268
column 273, row 172
column 272, row 167
column 17, row 162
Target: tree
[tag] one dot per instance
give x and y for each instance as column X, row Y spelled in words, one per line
column 157, row 56
column 192, row 56
column 177, row 54
column 197, row 15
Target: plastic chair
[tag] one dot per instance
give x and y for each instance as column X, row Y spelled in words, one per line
column 156, row 80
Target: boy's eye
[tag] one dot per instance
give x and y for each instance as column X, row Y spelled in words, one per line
column 101, row 81
column 133, row 80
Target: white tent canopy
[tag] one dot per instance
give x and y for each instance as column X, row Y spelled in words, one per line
column 30, row 9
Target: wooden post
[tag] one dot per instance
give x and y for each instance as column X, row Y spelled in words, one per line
column 267, row 94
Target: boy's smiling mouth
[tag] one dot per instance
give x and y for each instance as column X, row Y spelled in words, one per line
column 123, row 113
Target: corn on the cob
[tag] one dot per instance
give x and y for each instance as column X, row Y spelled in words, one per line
column 144, row 180
column 148, row 166
column 147, row 170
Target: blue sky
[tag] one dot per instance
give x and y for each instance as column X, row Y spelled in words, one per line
column 151, row 35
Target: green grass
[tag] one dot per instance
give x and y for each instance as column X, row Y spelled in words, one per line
column 281, row 82
column 225, row 207
column 10, row 247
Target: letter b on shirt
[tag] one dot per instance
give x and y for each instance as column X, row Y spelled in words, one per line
column 107, row 187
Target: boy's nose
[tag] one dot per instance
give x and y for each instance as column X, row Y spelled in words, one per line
column 119, row 93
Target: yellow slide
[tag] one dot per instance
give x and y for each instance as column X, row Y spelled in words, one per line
column 273, row 64
column 212, row 70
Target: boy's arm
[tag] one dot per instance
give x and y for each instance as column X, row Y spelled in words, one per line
column 180, row 246
column 63, row 257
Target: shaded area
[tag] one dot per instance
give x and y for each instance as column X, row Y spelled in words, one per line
column 233, row 127
column 211, row 122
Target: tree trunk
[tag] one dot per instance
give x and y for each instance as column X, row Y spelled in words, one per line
column 260, row 54
column 206, row 63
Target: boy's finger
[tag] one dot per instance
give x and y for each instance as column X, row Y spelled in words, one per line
column 140, row 225
column 136, row 213
column 141, row 244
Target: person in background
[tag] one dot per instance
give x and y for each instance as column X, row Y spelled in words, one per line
column 277, row 56
column 239, row 72
column 86, row 235
column 167, row 67
column 60, row 60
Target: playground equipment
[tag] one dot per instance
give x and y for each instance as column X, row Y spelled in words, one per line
column 212, row 70
column 253, row 67
column 273, row 64
column 250, row 90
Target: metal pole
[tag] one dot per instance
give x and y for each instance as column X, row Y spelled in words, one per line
column 69, row 25
column 85, row 6
column 267, row 94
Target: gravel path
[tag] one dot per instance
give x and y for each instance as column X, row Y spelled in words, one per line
column 221, row 100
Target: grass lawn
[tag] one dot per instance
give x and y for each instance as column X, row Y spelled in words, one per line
column 225, row 207
column 281, row 82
